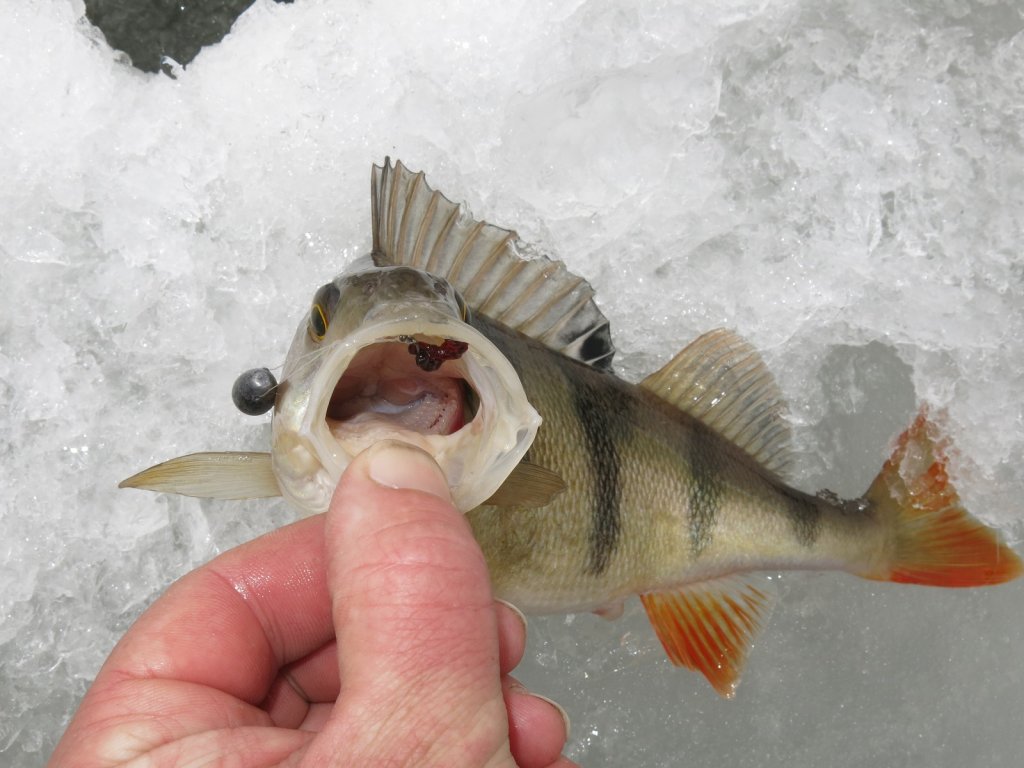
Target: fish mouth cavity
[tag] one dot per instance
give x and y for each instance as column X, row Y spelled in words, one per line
column 470, row 412
column 383, row 389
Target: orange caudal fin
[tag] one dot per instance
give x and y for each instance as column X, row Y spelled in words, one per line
column 935, row 540
column 709, row 627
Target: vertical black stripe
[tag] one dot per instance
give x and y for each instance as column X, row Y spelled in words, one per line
column 805, row 514
column 604, row 414
column 705, row 487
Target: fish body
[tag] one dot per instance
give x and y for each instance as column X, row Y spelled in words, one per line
column 656, row 499
column 581, row 488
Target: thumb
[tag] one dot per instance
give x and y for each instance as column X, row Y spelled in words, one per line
column 413, row 614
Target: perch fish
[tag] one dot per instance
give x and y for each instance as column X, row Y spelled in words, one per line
column 581, row 488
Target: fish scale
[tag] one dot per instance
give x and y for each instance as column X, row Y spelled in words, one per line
column 684, row 506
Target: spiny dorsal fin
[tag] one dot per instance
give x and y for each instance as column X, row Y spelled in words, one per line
column 416, row 226
column 223, row 475
column 709, row 627
column 529, row 485
column 720, row 379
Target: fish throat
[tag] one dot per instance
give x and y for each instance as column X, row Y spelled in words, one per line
column 410, row 385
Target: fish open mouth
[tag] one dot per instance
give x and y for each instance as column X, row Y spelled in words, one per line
column 385, row 388
column 432, row 382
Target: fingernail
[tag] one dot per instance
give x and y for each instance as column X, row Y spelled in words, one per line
column 562, row 712
column 399, row 465
column 519, row 614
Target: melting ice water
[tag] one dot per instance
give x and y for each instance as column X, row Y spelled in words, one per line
column 839, row 181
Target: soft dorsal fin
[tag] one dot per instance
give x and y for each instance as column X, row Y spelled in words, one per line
column 223, row 475
column 416, row 226
column 709, row 627
column 720, row 379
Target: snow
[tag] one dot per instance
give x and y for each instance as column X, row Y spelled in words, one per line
column 842, row 182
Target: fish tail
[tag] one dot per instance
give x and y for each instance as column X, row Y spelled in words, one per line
column 933, row 540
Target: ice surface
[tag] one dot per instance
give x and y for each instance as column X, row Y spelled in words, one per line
column 842, row 181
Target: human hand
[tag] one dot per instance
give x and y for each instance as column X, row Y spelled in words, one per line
column 366, row 636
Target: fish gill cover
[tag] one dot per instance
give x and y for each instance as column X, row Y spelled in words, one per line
column 839, row 181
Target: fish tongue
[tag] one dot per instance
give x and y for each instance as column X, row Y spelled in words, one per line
column 437, row 411
column 401, row 391
column 430, row 406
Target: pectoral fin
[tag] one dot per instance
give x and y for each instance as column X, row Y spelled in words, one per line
column 529, row 485
column 709, row 627
column 223, row 475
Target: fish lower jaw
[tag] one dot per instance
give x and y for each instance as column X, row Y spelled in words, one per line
column 301, row 476
column 356, row 435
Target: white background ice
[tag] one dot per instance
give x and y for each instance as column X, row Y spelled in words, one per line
column 842, row 181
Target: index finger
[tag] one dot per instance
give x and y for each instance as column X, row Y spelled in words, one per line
column 231, row 624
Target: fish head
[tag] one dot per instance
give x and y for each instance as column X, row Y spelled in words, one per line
column 391, row 353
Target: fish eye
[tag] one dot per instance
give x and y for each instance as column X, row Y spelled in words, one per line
column 324, row 302
column 317, row 323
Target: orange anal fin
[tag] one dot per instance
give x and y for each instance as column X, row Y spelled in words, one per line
column 709, row 627
column 935, row 540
